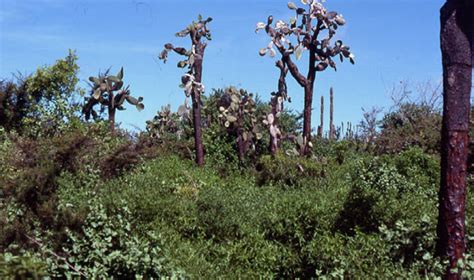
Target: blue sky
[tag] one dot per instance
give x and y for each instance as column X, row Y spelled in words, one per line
column 393, row 40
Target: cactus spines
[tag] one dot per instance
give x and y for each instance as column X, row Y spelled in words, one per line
column 304, row 33
column 321, row 119
column 108, row 92
column 191, row 82
column 332, row 128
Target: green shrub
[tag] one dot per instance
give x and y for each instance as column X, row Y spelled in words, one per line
column 26, row 266
column 107, row 247
column 290, row 171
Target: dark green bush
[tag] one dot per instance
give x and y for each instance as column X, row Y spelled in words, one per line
column 290, row 171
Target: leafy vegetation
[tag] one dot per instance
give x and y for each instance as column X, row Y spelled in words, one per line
column 86, row 199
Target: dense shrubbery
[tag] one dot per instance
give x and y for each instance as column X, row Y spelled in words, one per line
column 367, row 217
column 87, row 201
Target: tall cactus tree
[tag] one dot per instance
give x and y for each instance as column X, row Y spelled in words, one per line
column 108, row 92
column 192, row 80
column 313, row 28
column 457, row 36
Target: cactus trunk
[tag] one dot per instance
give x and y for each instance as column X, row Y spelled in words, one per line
column 196, row 100
column 308, row 101
column 456, row 47
column 111, row 112
column 332, row 128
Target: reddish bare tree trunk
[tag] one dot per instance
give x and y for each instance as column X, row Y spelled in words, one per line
column 196, row 100
column 111, row 112
column 308, row 101
column 456, row 40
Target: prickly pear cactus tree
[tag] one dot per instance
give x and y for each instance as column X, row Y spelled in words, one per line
column 163, row 122
column 238, row 115
column 192, row 80
column 277, row 105
column 167, row 123
column 312, row 29
column 108, row 92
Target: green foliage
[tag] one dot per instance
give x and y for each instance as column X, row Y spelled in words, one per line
column 45, row 102
column 411, row 124
column 106, row 247
column 382, row 194
column 290, row 171
column 26, row 266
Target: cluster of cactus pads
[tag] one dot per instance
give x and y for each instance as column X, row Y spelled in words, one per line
column 108, row 92
column 168, row 122
column 238, row 113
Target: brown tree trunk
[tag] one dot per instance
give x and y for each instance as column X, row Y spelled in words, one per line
column 456, row 40
column 196, row 100
column 308, row 101
column 111, row 112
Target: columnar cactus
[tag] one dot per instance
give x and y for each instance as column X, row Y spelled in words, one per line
column 332, row 128
column 321, row 119
column 311, row 29
column 191, row 81
column 108, row 92
column 238, row 115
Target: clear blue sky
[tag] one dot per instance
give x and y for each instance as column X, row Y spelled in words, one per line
column 393, row 40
